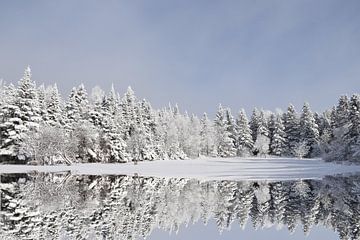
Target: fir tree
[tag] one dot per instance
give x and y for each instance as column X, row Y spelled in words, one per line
column 353, row 136
column 277, row 144
column 254, row 123
column 231, row 126
column 27, row 101
column 262, row 143
column 77, row 106
column 342, row 112
column 128, row 106
column 225, row 144
column 245, row 142
column 207, row 137
column 309, row 132
column 54, row 107
column 291, row 129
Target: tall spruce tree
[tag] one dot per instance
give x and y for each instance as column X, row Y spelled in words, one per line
column 254, row 123
column 262, row 143
column 207, row 137
column 353, row 135
column 245, row 142
column 54, row 107
column 77, row 106
column 225, row 144
column 278, row 144
column 27, row 101
column 231, row 126
column 309, row 132
column 291, row 129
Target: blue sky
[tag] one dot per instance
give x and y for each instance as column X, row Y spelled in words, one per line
column 196, row 53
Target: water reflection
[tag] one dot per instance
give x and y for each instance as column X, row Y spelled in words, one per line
column 65, row 206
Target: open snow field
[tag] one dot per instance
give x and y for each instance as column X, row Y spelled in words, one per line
column 207, row 169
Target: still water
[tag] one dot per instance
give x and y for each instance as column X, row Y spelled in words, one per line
column 66, row 206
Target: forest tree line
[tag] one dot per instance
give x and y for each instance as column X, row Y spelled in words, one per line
column 38, row 126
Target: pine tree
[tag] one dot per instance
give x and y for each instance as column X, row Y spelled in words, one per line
column 41, row 96
column 354, row 116
column 254, row 123
column 20, row 115
column 231, row 126
column 105, row 116
column 170, row 133
column 77, row 106
column 353, row 136
column 271, row 126
column 245, row 142
column 207, row 137
column 277, row 145
column 342, row 112
column 225, row 144
column 27, row 101
column 262, row 143
column 309, row 132
column 263, row 128
column 53, row 107
column 291, row 129
column 11, row 125
column 128, row 106
column 141, row 143
column 194, row 140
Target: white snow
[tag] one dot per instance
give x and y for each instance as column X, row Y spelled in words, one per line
column 206, row 168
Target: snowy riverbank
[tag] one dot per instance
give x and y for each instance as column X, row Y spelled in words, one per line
column 207, row 169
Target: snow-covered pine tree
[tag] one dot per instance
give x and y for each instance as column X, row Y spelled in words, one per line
column 77, row 106
column 231, row 126
column 342, row 112
column 245, row 142
column 207, row 137
column 172, row 142
column 183, row 125
column 113, row 102
column 105, row 116
column 354, row 116
column 128, row 107
column 54, row 107
column 277, row 145
column 11, row 126
column 326, row 133
column 291, row 128
column 194, row 140
column 28, row 105
column 339, row 145
column 27, row 101
column 262, row 143
column 114, row 143
column 225, row 144
column 160, row 133
column 271, row 127
column 353, row 135
column 141, row 143
column 309, row 132
column 41, row 96
column 318, row 121
column 254, row 123
column 263, row 128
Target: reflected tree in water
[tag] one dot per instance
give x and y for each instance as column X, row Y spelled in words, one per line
column 64, row 206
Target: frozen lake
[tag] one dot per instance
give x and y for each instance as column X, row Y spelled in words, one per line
column 206, row 169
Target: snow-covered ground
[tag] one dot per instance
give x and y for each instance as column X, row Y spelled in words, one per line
column 207, row 169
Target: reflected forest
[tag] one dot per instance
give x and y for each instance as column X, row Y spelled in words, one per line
column 65, row 206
